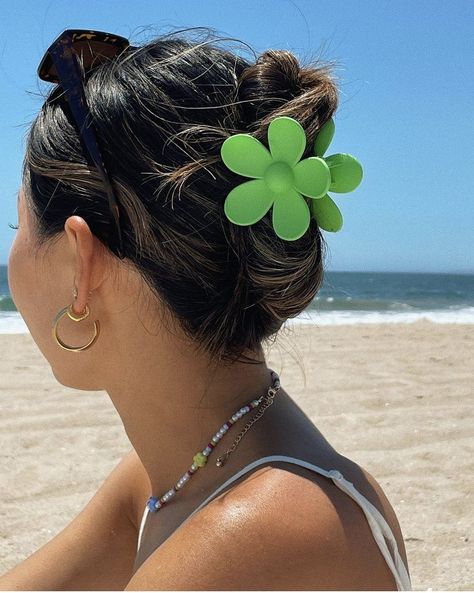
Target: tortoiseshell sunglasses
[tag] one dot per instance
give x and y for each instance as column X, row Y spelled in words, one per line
column 66, row 62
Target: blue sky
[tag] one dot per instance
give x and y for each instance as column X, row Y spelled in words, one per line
column 406, row 84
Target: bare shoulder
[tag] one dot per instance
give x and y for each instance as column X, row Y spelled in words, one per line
column 274, row 530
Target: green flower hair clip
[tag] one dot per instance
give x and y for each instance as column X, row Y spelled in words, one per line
column 282, row 180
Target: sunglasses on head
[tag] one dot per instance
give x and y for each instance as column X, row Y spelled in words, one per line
column 66, row 62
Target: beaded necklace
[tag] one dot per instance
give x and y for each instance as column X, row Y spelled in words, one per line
column 154, row 503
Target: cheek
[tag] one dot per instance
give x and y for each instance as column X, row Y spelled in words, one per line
column 17, row 271
column 29, row 289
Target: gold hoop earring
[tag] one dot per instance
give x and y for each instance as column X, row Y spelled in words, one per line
column 75, row 317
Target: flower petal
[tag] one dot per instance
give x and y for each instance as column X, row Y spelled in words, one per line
column 291, row 215
column 324, row 137
column 312, row 177
column 327, row 214
column 286, row 139
column 248, row 202
column 346, row 172
column 245, row 155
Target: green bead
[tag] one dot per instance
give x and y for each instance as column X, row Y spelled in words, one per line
column 200, row 459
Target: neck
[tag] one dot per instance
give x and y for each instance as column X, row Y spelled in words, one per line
column 173, row 403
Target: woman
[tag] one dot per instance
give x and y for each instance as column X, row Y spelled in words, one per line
column 165, row 304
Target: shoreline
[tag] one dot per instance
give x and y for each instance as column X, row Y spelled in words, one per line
column 12, row 323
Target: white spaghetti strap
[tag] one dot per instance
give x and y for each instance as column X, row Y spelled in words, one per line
column 142, row 525
column 380, row 528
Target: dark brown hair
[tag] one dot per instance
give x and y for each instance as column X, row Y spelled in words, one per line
column 162, row 111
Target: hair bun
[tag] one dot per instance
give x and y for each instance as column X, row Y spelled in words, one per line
column 273, row 79
column 277, row 84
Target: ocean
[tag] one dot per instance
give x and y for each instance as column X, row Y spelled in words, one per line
column 349, row 298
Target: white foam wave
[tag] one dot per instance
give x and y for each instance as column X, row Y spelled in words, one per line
column 11, row 322
column 464, row 315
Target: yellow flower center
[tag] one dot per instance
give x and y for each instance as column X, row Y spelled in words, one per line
column 279, row 177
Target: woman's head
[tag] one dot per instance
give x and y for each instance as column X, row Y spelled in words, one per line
column 161, row 113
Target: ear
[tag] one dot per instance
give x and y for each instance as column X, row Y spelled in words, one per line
column 82, row 246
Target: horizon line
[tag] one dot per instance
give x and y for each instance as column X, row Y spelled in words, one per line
column 454, row 273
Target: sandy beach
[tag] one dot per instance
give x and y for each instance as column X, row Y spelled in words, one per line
column 395, row 398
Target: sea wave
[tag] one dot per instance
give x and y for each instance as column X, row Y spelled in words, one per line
column 454, row 315
column 6, row 303
column 11, row 322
